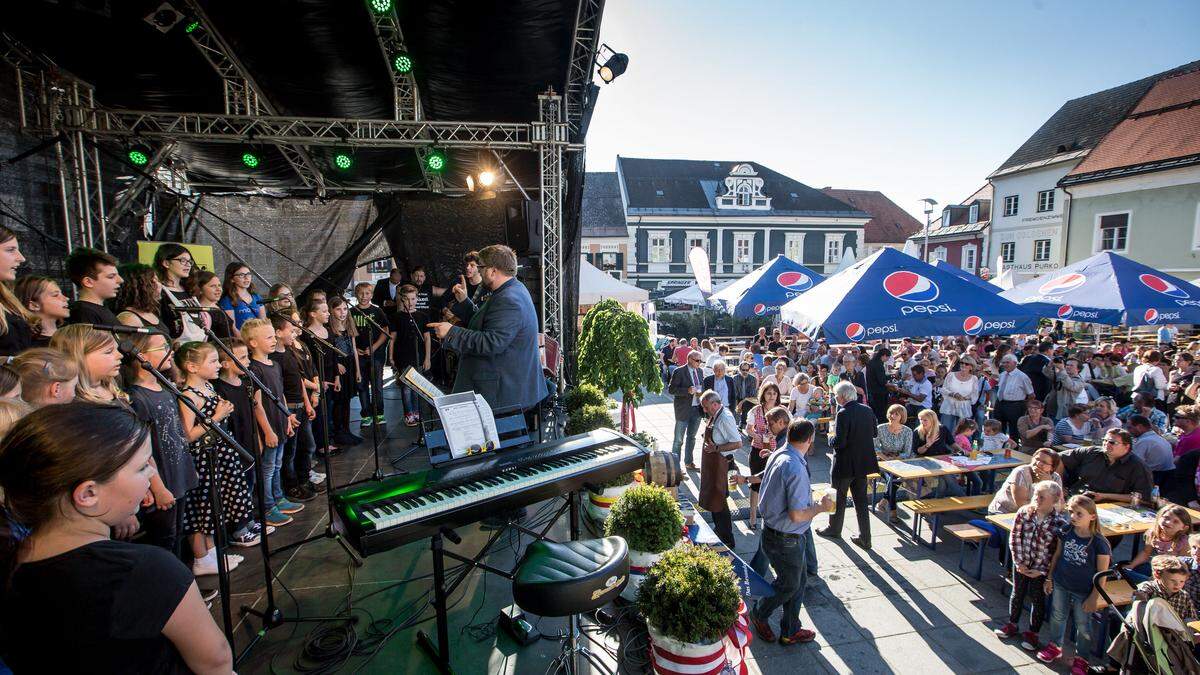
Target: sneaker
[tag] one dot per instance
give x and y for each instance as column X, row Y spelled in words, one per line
column 209, row 595
column 245, row 538
column 882, row 506
column 1050, row 653
column 366, row 421
column 763, row 629
column 208, row 565
column 288, row 507
column 298, row 494
column 412, row 420
column 380, row 420
column 315, row 489
column 316, row 477
column 232, row 560
column 1030, row 641
column 1006, row 631
column 275, row 517
column 1080, row 666
column 802, row 635
column 257, row 528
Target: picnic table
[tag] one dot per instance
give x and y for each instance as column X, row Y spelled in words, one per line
column 1116, row 519
column 922, row 468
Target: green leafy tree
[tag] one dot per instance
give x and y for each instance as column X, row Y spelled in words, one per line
column 615, row 353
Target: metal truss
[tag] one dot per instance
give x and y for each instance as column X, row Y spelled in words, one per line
column 550, row 136
column 583, row 60
column 242, row 94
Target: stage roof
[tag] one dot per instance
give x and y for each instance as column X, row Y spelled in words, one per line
column 484, row 62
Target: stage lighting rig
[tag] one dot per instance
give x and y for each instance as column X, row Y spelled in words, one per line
column 435, row 161
column 402, row 63
column 164, row 18
column 251, row 159
column 380, row 6
column 343, row 161
column 486, row 178
column 138, row 154
column 614, row 64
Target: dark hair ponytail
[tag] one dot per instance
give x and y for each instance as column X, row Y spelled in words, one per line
column 51, row 451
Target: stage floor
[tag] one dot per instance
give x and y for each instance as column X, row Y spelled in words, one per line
column 898, row 609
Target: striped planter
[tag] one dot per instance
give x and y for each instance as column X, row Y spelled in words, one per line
column 598, row 505
column 672, row 657
column 639, row 562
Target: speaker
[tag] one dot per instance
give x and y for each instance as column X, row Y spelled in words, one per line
column 523, row 226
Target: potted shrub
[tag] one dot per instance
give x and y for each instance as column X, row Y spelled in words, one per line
column 603, row 495
column 648, row 518
column 690, row 601
column 588, row 418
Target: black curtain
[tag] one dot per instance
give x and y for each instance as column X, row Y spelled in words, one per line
column 335, row 278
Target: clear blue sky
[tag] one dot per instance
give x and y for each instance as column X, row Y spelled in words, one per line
column 914, row 99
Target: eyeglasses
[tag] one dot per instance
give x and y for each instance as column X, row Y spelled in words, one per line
column 164, row 348
column 241, row 274
column 186, row 261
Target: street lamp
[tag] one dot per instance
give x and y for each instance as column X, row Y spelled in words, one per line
column 929, row 204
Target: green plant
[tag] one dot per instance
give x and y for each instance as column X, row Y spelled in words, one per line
column 588, row 418
column 584, row 394
column 615, row 353
column 648, row 517
column 623, row 479
column 690, row 594
column 645, row 440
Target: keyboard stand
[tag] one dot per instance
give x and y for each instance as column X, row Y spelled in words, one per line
column 439, row 652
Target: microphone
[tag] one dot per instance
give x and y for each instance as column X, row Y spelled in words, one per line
column 194, row 309
column 275, row 298
column 131, row 330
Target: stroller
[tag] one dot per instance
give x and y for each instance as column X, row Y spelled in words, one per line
column 1153, row 639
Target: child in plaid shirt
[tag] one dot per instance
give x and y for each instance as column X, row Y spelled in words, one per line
column 1192, row 585
column 1170, row 575
column 1032, row 542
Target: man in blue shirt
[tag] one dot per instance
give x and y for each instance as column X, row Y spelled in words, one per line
column 786, row 506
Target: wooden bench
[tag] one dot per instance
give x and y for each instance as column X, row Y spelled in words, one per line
column 924, row 508
column 968, row 534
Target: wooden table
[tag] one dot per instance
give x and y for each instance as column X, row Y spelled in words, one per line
column 1110, row 526
column 922, row 468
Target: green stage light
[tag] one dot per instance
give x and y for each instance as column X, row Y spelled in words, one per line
column 191, row 26
column 343, row 161
column 402, row 63
column 138, row 158
column 435, row 160
column 380, row 6
column 251, row 160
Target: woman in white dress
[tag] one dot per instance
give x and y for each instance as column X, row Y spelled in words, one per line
column 960, row 390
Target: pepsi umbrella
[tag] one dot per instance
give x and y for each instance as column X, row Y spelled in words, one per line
column 763, row 291
column 963, row 274
column 1110, row 289
column 893, row 295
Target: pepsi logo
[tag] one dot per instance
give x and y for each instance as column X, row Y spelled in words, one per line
column 1059, row 285
column 856, row 331
column 760, row 309
column 972, row 325
column 1064, row 311
column 1151, row 315
column 910, row 287
column 794, row 281
column 1157, row 283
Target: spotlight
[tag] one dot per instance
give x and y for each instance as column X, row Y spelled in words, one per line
column 486, row 178
column 380, row 6
column 343, row 161
column 191, row 26
column 436, row 160
column 164, row 18
column 470, row 183
column 614, row 66
column 138, row 154
column 403, row 63
column 251, row 159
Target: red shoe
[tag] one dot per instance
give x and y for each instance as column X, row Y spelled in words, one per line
column 1007, row 631
column 1050, row 653
column 802, row 635
column 1030, row 641
column 763, row 629
column 1080, row 666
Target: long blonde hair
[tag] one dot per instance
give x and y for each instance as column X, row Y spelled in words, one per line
column 8, row 299
column 77, row 341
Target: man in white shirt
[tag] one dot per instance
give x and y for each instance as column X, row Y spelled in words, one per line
column 920, row 389
column 1013, row 390
column 1154, row 450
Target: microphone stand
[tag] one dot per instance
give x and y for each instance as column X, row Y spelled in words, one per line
column 214, row 494
column 271, row 616
column 322, row 345
column 377, row 475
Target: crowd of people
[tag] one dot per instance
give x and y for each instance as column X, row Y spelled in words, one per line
column 1113, row 423
column 106, row 476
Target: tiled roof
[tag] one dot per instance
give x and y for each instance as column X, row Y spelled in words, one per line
column 603, row 212
column 889, row 224
column 691, row 186
column 959, row 215
column 1081, row 123
column 1163, row 131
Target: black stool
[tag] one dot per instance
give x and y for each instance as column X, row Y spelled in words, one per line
column 569, row 579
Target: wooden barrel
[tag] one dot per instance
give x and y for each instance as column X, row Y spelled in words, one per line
column 662, row 468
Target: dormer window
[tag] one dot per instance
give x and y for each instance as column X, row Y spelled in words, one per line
column 973, row 217
column 946, row 218
column 743, row 190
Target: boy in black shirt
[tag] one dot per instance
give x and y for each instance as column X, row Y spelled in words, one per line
column 411, row 347
column 275, row 427
column 298, row 449
column 94, row 273
column 373, row 334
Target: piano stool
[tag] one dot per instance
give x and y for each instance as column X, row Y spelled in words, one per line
column 568, row 579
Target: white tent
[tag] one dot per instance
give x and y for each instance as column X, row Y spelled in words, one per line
column 1006, row 280
column 848, row 259
column 911, row 248
column 692, row 295
column 595, row 285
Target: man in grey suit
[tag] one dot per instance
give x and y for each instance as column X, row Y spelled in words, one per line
column 687, row 383
column 498, row 346
column 853, row 460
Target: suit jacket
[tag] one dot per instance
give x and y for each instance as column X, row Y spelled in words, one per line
column 499, row 357
column 681, row 380
column 382, row 296
column 1033, row 365
column 876, row 379
column 733, row 399
column 853, row 443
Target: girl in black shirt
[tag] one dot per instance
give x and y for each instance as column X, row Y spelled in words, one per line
column 15, row 335
column 70, row 474
column 47, row 304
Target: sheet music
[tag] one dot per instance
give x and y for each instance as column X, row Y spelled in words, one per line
column 468, row 423
column 422, row 386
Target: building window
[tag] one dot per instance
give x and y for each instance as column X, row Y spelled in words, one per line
column 695, row 238
column 973, row 216
column 1010, row 205
column 608, row 261
column 793, row 246
column 833, row 249
column 743, row 247
column 1041, row 250
column 969, row 255
column 1045, row 201
column 745, row 195
column 937, row 254
column 1008, row 251
column 380, row 266
column 1114, row 231
column 660, row 247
